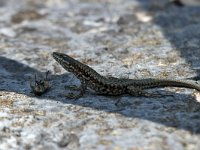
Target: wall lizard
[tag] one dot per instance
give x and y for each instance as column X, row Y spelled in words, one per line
column 115, row 86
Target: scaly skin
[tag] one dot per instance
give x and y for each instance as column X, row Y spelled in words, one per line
column 114, row 86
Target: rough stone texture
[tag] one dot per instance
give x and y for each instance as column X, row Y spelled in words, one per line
column 122, row 38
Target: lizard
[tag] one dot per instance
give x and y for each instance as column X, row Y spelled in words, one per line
column 89, row 78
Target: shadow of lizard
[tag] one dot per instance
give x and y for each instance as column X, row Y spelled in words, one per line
column 184, row 107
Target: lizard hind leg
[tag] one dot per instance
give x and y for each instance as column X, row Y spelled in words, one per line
column 133, row 91
column 137, row 91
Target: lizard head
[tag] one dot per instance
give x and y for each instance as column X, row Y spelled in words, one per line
column 65, row 60
column 79, row 69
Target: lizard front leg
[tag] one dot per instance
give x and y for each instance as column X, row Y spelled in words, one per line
column 82, row 89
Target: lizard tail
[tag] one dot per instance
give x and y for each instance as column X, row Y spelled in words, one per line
column 173, row 83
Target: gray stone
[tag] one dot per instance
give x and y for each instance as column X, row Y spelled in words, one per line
column 120, row 38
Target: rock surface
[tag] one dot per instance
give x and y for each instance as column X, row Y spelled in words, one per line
column 120, row 38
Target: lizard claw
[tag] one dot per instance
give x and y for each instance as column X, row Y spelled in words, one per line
column 73, row 96
column 72, row 87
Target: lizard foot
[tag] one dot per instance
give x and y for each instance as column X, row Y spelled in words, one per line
column 154, row 95
column 72, row 87
column 82, row 89
column 73, row 96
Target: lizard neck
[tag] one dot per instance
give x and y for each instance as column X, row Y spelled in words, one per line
column 87, row 74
